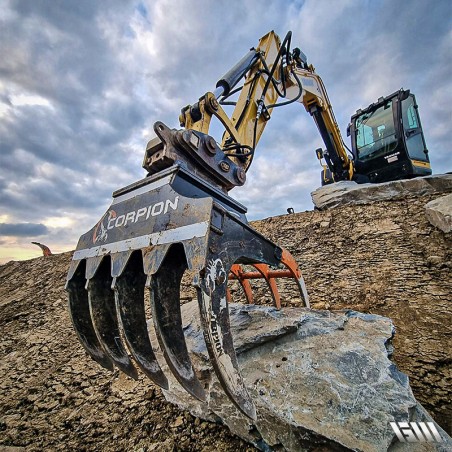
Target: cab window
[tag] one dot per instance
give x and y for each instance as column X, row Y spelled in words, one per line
column 375, row 132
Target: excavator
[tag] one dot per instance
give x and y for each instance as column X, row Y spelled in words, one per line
column 180, row 218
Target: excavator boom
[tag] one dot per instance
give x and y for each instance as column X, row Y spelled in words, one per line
column 270, row 71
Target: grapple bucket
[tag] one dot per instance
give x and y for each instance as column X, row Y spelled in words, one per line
column 152, row 233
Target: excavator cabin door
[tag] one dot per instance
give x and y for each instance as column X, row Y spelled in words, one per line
column 413, row 135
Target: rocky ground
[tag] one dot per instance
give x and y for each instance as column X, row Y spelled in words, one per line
column 384, row 258
column 52, row 396
column 387, row 259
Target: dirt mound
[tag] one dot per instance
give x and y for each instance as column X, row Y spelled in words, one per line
column 383, row 258
column 53, row 396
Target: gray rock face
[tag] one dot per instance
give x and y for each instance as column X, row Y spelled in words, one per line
column 439, row 213
column 317, row 378
column 347, row 192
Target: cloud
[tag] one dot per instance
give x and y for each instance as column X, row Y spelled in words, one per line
column 23, row 229
column 84, row 82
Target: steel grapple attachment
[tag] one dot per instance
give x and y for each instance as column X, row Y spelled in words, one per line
column 152, row 233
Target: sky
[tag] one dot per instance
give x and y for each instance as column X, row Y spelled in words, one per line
column 82, row 82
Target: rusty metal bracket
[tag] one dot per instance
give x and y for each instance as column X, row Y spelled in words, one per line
column 270, row 275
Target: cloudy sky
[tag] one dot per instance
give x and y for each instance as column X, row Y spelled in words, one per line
column 82, row 82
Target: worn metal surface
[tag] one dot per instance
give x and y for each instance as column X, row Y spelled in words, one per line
column 129, row 297
column 103, row 313
column 81, row 318
column 165, row 302
column 154, row 231
column 236, row 243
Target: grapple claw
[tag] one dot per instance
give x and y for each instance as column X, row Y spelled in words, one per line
column 292, row 267
column 237, row 273
column 103, row 313
column 165, row 303
column 81, row 318
column 217, row 334
column 176, row 219
column 129, row 296
column 236, row 243
column 264, row 271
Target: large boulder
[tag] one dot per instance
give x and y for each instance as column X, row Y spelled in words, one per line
column 439, row 212
column 318, row 378
column 347, row 192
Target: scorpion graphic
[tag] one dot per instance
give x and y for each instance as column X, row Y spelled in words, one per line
column 103, row 235
column 215, row 274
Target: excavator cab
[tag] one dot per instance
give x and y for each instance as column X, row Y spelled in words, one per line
column 387, row 139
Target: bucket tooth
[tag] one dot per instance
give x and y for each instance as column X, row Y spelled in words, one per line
column 153, row 257
column 81, row 317
column 195, row 253
column 105, row 320
column 119, row 262
column 72, row 269
column 166, row 313
column 129, row 296
column 92, row 265
column 213, row 306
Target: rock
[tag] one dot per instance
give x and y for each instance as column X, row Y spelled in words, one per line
column 164, row 446
column 178, row 422
column 439, row 213
column 12, row 449
column 347, row 192
column 317, row 378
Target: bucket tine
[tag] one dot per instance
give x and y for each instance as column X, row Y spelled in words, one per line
column 129, row 296
column 263, row 269
column 81, row 318
column 165, row 303
column 237, row 272
column 290, row 263
column 103, row 312
column 217, row 334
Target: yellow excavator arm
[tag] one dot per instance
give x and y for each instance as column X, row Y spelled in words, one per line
column 316, row 102
column 271, row 72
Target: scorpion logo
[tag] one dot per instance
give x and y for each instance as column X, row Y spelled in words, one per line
column 102, row 235
column 215, row 274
